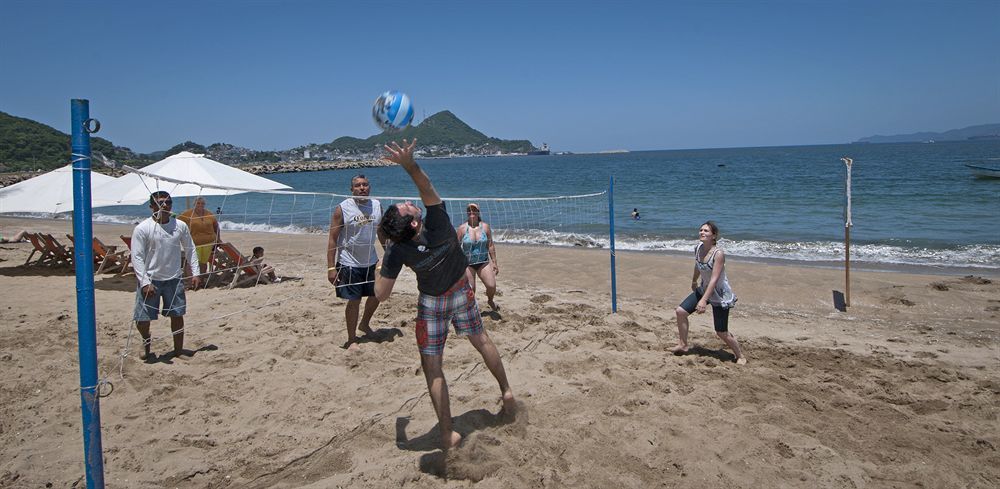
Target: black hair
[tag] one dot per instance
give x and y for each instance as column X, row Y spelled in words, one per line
column 156, row 195
column 397, row 226
column 257, row 249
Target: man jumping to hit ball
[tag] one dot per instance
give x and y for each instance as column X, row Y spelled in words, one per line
column 430, row 248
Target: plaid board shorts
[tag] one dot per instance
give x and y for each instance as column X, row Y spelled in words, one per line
column 458, row 306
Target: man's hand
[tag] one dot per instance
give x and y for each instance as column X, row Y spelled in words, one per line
column 401, row 155
column 148, row 290
column 700, row 308
column 496, row 269
column 332, row 276
column 195, row 282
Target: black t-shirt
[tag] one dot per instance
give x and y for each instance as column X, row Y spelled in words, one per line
column 434, row 255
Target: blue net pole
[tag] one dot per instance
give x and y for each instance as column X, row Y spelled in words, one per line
column 611, row 224
column 83, row 257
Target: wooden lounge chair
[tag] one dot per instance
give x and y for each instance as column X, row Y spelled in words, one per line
column 45, row 257
column 128, row 245
column 62, row 255
column 106, row 257
column 114, row 259
column 244, row 270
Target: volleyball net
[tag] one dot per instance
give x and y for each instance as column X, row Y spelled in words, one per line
column 242, row 214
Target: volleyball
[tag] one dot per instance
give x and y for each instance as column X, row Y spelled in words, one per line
column 392, row 111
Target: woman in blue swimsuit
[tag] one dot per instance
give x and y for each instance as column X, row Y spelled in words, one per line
column 476, row 237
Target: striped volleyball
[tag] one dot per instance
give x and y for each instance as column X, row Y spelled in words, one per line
column 392, row 111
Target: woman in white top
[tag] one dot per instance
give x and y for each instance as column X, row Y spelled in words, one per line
column 710, row 267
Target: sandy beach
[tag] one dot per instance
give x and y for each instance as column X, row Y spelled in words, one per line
column 899, row 391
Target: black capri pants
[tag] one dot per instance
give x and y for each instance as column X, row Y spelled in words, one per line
column 720, row 315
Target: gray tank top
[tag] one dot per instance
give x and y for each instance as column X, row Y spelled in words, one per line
column 723, row 294
column 356, row 243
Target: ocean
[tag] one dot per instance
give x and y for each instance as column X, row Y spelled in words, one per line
column 913, row 204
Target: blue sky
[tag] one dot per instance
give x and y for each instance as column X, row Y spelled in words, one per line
column 581, row 76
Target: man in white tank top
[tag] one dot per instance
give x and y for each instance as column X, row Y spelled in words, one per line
column 351, row 257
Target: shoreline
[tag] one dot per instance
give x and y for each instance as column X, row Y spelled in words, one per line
column 29, row 223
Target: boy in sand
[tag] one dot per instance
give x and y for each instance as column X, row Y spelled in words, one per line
column 430, row 248
column 258, row 258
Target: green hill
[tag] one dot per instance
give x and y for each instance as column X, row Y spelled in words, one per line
column 26, row 145
column 441, row 133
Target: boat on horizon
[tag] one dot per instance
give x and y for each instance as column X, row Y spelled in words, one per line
column 984, row 171
column 543, row 151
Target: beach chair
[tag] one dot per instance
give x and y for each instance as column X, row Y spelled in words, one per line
column 45, row 257
column 114, row 259
column 106, row 257
column 228, row 259
column 128, row 247
column 62, row 255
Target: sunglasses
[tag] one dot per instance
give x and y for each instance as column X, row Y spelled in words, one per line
column 165, row 202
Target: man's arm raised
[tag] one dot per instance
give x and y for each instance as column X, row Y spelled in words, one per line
column 403, row 156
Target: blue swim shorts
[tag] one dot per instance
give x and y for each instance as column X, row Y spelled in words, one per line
column 170, row 292
column 355, row 283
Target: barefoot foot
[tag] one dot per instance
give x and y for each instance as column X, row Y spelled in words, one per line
column 741, row 361
column 509, row 405
column 493, row 305
column 679, row 350
column 451, row 441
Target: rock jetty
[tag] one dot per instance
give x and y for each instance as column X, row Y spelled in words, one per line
column 313, row 166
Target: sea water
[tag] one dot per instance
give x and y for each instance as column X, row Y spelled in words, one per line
column 912, row 204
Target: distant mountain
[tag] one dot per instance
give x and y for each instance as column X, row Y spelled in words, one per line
column 29, row 145
column 440, row 134
column 984, row 131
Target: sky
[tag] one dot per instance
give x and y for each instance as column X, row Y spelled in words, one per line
column 581, row 76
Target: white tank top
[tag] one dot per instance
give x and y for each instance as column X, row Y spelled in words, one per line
column 356, row 243
column 723, row 294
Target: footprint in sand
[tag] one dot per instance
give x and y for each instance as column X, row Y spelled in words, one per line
column 541, row 298
column 900, row 300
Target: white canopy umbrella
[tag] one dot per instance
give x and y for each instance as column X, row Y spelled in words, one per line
column 51, row 192
column 207, row 177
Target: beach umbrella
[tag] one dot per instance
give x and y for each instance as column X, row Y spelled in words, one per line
column 206, row 177
column 51, row 192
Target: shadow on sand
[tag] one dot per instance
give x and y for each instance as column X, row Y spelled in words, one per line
column 381, row 335
column 168, row 358
column 720, row 355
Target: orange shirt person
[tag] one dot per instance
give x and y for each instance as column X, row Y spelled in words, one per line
column 205, row 231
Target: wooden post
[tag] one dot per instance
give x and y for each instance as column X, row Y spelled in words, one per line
column 847, row 233
column 847, row 266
